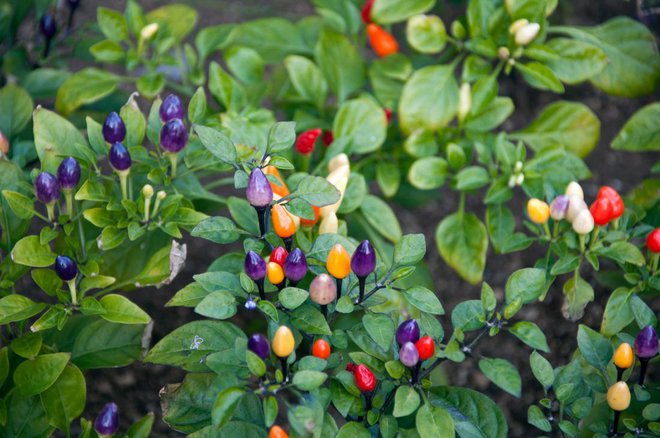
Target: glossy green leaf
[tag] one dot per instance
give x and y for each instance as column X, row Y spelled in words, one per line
column 428, row 173
column 641, row 131
column 393, row 11
column 340, row 63
column 530, row 334
column 86, row 86
column 503, row 374
column 16, row 307
column 424, row 299
column 35, row 376
column 595, row 348
column 225, row 404
column 121, row 310
column 406, row 401
column 528, row 284
column 64, row 401
column 380, row 216
column 462, row 242
column 362, row 124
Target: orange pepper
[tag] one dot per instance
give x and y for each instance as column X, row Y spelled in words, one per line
column 277, row 432
column 383, row 42
column 339, row 262
column 281, row 190
column 275, row 273
column 283, row 223
column 624, row 356
column 311, row 222
column 321, row 349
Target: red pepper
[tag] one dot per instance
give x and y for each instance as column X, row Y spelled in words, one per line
column 321, row 349
column 388, row 115
column 366, row 11
column 602, row 211
column 364, row 378
column 425, row 347
column 327, row 138
column 306, row 140
column 278, row 255
column 615, row 199
column 653, row 241
column 383, row 43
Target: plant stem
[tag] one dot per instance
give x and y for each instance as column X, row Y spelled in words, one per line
column 338, row 281
column 173, row 162
column 594, row 236
column 73, row 291
column 68, row 197
column 261, row 214
column 285, row 368
column 50, row 208
column 361, row 282
column 260, row 286
column 642, row 370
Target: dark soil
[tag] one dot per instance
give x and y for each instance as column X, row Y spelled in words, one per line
column 135, row 388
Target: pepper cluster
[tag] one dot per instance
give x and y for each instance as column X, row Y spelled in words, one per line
column 173, row 133
column 413, row 349
column 48, row 187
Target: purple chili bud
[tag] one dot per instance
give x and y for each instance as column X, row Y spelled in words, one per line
column 258, row 193
column 47, row 188
column 65, row 268
column 48, row 25
column 295, row 265
column 559, row 207
column 114, row 130
column 68, row 174
column 255, row 266
column 171, row 108
column 408, row 331
column 363, row 261
column 646, row 343
column 408, row 354
column 258, row 344
column 120, row 159
column 173, row 136
column 107, row 422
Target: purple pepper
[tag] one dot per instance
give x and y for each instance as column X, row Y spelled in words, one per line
column 47, row 188
column 48, row 26
column 408, row 331
column 363, row 261
column 68, row 174
column 173, row 136
column 107, row 422
column 114, row 130
column 258, row 344
column 258, row 193
column 558, row 207
column 65, row 268
column 408, row 354
column 120, row 158
column 646, row 343
column 171, row 108
column 255, row 266
column 295, row 266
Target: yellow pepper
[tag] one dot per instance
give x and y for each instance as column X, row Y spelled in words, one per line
column 283, row 342
column 618, row 396
column 623, row 356
column 282, row 223
column 538, row 211
column 275, row 273
column 339, row 262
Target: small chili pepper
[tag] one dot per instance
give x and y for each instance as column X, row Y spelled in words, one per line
column 327, row 138
column 259, row 194
column 338, row 265
column 408, row 354
column 277, row 432
column 107, row 421
column 575, row 206
column 120, row 158
column 323, row 291
column 47, row 188
column 653, row 241
column 408, row 331
column 365, row 13
column 425, row 347
column 618, row 398
column 275, row 274
column 255, row 268
column 65, row 268
column 306, row 141
column 574, row 188
column 311, row 222
column 114, row 129
column 623, row 358
column 171, row 108
column 295, row 266
column 527, row 33
column 383, row 43
column 601, row 210
column 279, row 255
column 583, row 222
column 364, row 378
column 538, row 211
column 329, row 224
column 363, row 263
column 258, row 344
column 558, row 207
column 68, row 173
column 283, row 345
column 173, row 136
column 280, row 189
column 321, row 349
column 617, row 203
column 646, row 348
column 4, row 145
column 283, row 224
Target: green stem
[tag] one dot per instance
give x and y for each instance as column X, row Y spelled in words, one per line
column 50, row 208
column 123, row 183
column 546, row 228
column 147, row 207
column 73, row 291
column 68, row 197
column 594, row 236
column 653, row 262
column 81, row 237
column 461, row 204
column 173, row 161
column 581, row 238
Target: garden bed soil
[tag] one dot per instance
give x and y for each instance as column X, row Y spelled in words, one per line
column 135, row 388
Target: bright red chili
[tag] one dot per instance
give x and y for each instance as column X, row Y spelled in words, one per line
column 425, row 347
column 602, row 211
column 388, row 115
column 364, row 378
column 366, row 11
column 383, row 42
column 278, row 255
column 321, row 349
column 653, row 240
column 306, row 140
column 615, row 199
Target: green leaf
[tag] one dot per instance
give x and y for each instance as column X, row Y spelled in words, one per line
column 530, row 334
column 86, row 86
column 309, row 320
column 178, row 19
column 618, row 312
column 428, row 173
column 340, row 63
column 112, row 24
column 64, row 401
column 255, row 364
column 353, row 429
column 21, row 205
column 307, row 79
column 622, row 252
column 362, row 124
column 317, row 191
column 424, row 299
column 429, row 99
column 216, row 229
column 576, row 61
column 142, row 428
column 243, row 213
column 536, row 418
column 426, row 33
column 213, row 38
column 293, row 297
column 136, row 125
column 35, row 376
column 30, row 252
column 491, row 116
column 245, row 64
column 107, row 51
column 308, row 380
column 394, row 11
column 217, row 143
column 381, row 217
column 197, row 106
column 528, row 284
column 539, row 76
column 281, row 136
column 273, row 38
column 468, row 315
column 217, row 305
column 595, row 348
column 121, row 310
column 28, row 345
column 641, row 132
column 472, row 178
column 388, row 177
column 225, row 405
column 16, row 107
column 503, row 374
column 462, row 242
column 541, row 369
column 474, row 414
column 380, row 328
column 433, row 421
column 406, row 401
column 101, row 344
column 410, row 250
column 577, row 294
